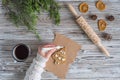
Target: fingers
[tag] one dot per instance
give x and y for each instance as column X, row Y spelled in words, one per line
column 49, row 45
column 50, row 52
column 46, row 46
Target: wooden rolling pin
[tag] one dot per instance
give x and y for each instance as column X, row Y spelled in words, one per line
column 88, row 30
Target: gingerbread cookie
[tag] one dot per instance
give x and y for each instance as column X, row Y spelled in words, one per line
column 83, row 7
column 100, row 5
column 59, row 56
column 102, row 24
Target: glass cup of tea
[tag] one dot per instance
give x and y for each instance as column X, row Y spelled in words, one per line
column 21, row 52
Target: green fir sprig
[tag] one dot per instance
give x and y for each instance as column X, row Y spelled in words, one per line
column 25, row 12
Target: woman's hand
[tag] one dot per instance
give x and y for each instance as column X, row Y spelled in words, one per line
column 48, row 53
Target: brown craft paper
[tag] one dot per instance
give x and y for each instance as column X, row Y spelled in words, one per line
column 71, row 47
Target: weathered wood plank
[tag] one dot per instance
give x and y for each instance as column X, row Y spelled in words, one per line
column 90, row 64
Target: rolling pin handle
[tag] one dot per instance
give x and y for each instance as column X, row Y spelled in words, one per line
column 72, row 10
column 103, row 49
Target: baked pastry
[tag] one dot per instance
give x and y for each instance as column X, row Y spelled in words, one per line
column 59, row 56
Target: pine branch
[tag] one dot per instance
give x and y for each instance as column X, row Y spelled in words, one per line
column 24, row 12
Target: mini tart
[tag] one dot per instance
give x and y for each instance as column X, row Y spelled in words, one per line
column 83, row 7
column 102, row 24
column 59, row 56
column 100, row 5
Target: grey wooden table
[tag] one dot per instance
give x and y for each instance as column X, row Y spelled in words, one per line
column 90, row 63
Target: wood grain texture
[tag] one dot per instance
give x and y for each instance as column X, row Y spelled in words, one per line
column 90, row 64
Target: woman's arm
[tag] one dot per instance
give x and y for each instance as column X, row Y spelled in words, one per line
column 36, row 68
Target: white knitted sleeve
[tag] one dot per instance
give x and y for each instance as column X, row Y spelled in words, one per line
column 36, row 68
